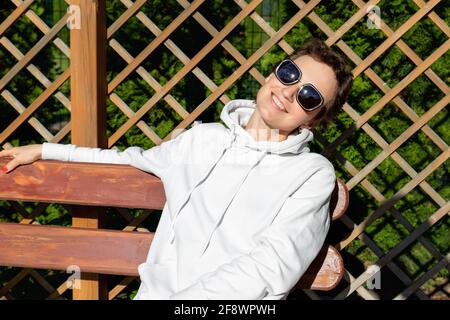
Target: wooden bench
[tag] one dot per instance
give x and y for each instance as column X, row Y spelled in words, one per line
column 110, row 251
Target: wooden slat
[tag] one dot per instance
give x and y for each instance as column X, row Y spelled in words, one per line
column 171, row 101
column 340, row 200
column 131, row 11
column 34, row 105
column 153, row 45
column 239, row 71
column 444, row 156
column 399, row 141
column 14, row 16
column 35, row 123
column 120, row 287
column 435, row 18
column 80, row 181
column 121, row 186
column 32, row 53
column 180, row 74
column 34, row 71
column 56, row 248
column 44, row 28
column 145, row 128
column 83, row 184
column 117, row 252
column 88, row 95
column 14, row 281
column 426, row 225
column 423, row 278
column 150, row 25
column 388, row 97
column 325, row 272
column 225, row 44
column 283, row 44
column 408, row 52
column 350, row 23
column 382, row 48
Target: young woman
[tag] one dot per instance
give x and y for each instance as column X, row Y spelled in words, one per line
column 247, row 206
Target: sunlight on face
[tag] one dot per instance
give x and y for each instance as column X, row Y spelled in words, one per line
column 273, row 94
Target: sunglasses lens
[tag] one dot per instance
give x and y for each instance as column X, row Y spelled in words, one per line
column 309, row 98
column 288, row 73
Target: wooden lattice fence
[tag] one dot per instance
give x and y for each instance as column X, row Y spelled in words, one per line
column 93, row 86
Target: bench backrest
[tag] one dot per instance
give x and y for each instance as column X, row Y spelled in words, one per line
column 110, row 251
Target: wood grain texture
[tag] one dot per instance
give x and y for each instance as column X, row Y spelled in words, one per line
column 339, row 201
column 109, row 185
column 117, row 252
column 325, row 272
column 79, row 183
column 88, row 115
column 111, row 252
column 93, row 250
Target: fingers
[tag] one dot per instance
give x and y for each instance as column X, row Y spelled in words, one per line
column 10, row 166
column 6, row 152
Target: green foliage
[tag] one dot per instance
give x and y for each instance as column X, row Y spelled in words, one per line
column 163, row 65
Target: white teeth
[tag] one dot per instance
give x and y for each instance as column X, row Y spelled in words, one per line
column 278, row 103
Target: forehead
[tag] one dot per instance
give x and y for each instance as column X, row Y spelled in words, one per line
column 319, row 74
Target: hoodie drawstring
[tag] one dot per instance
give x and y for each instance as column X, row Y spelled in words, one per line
column 219, row 219
column 208, row 172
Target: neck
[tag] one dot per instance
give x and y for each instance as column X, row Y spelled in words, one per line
column 260, row 131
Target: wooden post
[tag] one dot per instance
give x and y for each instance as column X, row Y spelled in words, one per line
column 88, row 98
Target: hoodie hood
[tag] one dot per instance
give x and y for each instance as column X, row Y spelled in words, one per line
column 236, row 115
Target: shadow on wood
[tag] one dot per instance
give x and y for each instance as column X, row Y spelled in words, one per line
column 110, row 251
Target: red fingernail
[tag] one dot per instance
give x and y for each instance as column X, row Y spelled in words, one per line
column 5, row 169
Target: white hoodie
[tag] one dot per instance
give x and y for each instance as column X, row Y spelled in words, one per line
column 243, row 219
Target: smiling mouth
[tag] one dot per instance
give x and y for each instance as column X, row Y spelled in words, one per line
column 277, row 103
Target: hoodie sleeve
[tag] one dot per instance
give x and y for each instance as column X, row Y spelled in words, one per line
column 283, row 251
column 155, row 160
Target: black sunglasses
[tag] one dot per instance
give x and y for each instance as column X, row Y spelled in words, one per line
column 308, row 97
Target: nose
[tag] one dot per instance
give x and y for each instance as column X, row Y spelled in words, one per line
column 289, row 92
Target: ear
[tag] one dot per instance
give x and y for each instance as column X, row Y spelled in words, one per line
column 305, row 126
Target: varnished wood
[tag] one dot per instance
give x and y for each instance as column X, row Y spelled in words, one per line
column 88, row 184
column 121, row 186
column 88, row 95
column 325, row 272
column 339, row 200
column 57, row 248
column 43, row 180
column 117, row 252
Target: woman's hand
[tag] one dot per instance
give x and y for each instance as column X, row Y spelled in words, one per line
column 22, row 155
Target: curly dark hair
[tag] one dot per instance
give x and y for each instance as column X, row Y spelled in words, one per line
column 318, row 50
